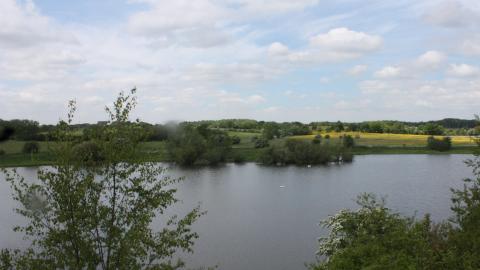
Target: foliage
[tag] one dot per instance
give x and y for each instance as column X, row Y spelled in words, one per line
column 25, row 130
column 373, row 237
column 348, row 141
column 99, row 217
column 443, row 144
column 261, row 143
column 89, row 153
column 200, row 145
column 236, row 139
column 465, row 238
column 31, row 148
column 302, row 153
column 432, row 129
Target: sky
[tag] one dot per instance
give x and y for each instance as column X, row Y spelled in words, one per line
column 280, row 60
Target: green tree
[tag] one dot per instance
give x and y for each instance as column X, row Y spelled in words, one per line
column 30, row 148
column 348, row 141
column 443, row 144
column 432, row 129
column 373, row 237
column 99, row 217
column 465, row 236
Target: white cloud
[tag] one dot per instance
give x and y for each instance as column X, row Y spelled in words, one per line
column 277, row 49
column 388, row 72
column 463, row 70
column 255, row 99
column 272, row 109
column 453, row 13
column 347, row 41
column 23, row 26
column 471, row 47
column 336, row 45
column 357, row 70
column 430, row 59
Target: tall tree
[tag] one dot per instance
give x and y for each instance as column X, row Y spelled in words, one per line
column 99, row 216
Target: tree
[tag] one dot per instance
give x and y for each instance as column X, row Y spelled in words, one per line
column 30, row 148
column 443, row 144
column 432, row 129
column 99, row 217
column 464, row 239
column 236, row 139
column 348, row 141
column 373, row 237
column 338, row 127
column 198, row 145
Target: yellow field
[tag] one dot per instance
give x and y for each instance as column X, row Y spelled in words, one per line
column 387, row 139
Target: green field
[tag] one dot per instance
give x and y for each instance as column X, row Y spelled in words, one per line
column 366, row 143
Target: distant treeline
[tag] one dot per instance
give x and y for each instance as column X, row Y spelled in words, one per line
column 29, row 130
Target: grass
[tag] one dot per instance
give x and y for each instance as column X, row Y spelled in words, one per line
column 366, row 144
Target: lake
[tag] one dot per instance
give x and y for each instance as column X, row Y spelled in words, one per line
column 267, row 217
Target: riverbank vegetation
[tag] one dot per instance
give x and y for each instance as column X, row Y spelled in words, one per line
column 213, row 142
column 375, row 237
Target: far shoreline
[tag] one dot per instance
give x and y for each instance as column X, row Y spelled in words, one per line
column 42, row 159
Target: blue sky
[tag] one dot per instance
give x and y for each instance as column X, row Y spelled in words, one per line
column 282, row 60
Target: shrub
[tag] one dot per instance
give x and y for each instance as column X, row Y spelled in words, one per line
column 261, row 143
column 2, row 152
column 317, row 139
column 444, row 144
column 327, row 136
column 238, row 158
column 374, row 237
column 236, row 139
column 348, row 141
column 347, row 156
column 31, row 148
column 89, row 153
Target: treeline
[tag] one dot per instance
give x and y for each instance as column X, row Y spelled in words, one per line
column 29, row 130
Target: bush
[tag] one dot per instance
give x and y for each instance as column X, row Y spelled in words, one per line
column 2, row 152
column 273, row 155
column 327, row 136
column 317, row 139
column 374, row 237
column 261, row 143
column 302, row 153
column 238, row 158
column 348, row 141
column 347, row 156
column 31, row 148
column 236, row 139
column 89, row 153
column 199, row 146
column 444, row 144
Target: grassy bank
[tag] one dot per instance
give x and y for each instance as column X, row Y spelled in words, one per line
column 366, row 144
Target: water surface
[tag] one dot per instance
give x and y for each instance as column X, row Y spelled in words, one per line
column 254, row 223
